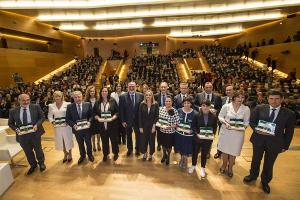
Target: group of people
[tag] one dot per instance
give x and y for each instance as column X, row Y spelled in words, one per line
column 188, row 124
column 78, row 76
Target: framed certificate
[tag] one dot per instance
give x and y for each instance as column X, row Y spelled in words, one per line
column 23, row 130
column 82, row 125
column 266, row 128
column 236, row 124
column 206, row 133
column 59, row 122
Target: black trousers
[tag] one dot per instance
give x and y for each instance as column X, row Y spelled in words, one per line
column 31, row 144
column 107, row 135
column 129, row 130
column 158, row 136
column 122, row 134
column 82, row 138
column 204, row 146
column 270, row 154
column 147, row 138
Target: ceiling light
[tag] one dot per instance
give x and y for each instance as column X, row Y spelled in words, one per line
column 189, row 33
column 163, row 10
column 73, row 26
column 50, row 4
column 120, row 25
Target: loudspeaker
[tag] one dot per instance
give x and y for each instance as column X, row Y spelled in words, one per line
column 3, row 43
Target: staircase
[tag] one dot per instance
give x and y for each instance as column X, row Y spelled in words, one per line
column 184, row 73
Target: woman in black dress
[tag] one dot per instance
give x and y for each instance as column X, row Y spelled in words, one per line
column 105, row 112
column 148, row 116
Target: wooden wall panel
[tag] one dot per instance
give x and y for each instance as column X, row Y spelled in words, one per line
column 31, row 65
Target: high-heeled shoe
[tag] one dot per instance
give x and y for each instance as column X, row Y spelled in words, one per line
column 168, row 160
column 65, row 158
column 163, row 159
column 230, row 174
column 98, row 147
column 222, row 170
column 94, row 149
column 145, row 157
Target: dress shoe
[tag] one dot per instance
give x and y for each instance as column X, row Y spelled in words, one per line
column 98, row 147
column 163, row 159
column 208, row 156
column 249, row 178
column 129, row 153
column 65, row 160
column 91, row 158
column 167, row 160
column 158, row 148
column 137, row 153
column 266, row 188
column 116, row 156
column 104, row 158
column 42, row 167
column 222, row 170
column 94, row 149
column 217, row 155
column 70, row 160
column 31, row 170
column 230, row 174
column 80, row 160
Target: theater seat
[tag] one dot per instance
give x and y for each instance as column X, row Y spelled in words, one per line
column 6, row 178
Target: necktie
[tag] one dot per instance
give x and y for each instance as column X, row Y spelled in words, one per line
column 79, row 110
column 229, row 100
column 163, row 100
column 272, row 116
column 208, row 97
column 132, row 99
column 25, row 120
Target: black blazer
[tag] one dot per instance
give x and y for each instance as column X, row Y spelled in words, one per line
column 215, row 99
column 146, row 120
column 72, row 115
column 284, row 131
column 157, row 97
column 37, row 118
column 113, row 108
column 128, row 113
column 177, row 102
column 198, row 121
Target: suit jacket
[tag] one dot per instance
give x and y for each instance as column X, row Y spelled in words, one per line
column 37, row 118
column 157, row 97
column 129, row 113
column 215, row 100
column 177, row 102
column 224, row 99
column 284, row 131
column 146, row 120
column 114, row 110
column 198, row 121
column 72, row 115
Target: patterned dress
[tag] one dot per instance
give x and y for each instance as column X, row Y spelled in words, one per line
column 170, row 118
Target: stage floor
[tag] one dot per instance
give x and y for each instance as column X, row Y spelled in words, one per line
column 131, row 178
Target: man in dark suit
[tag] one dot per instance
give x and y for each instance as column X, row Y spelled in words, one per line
column 26, row 120
column 128, row 108
column 79, row 116
column 271, row 142
column 160, row 98
column 184, row 89
column 226, row 99
column 216, row 101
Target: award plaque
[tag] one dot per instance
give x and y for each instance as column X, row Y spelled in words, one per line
column 266, row 128
column 105, row 115
column 59, row 122
column 236, row 124
column 184, row 127
column 82, row 125
column 162, row 123
column 206, row 133
column 23, row 130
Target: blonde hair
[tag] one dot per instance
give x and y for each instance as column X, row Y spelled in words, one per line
column 153, row 99
column 87, row 93
column 59, row 93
